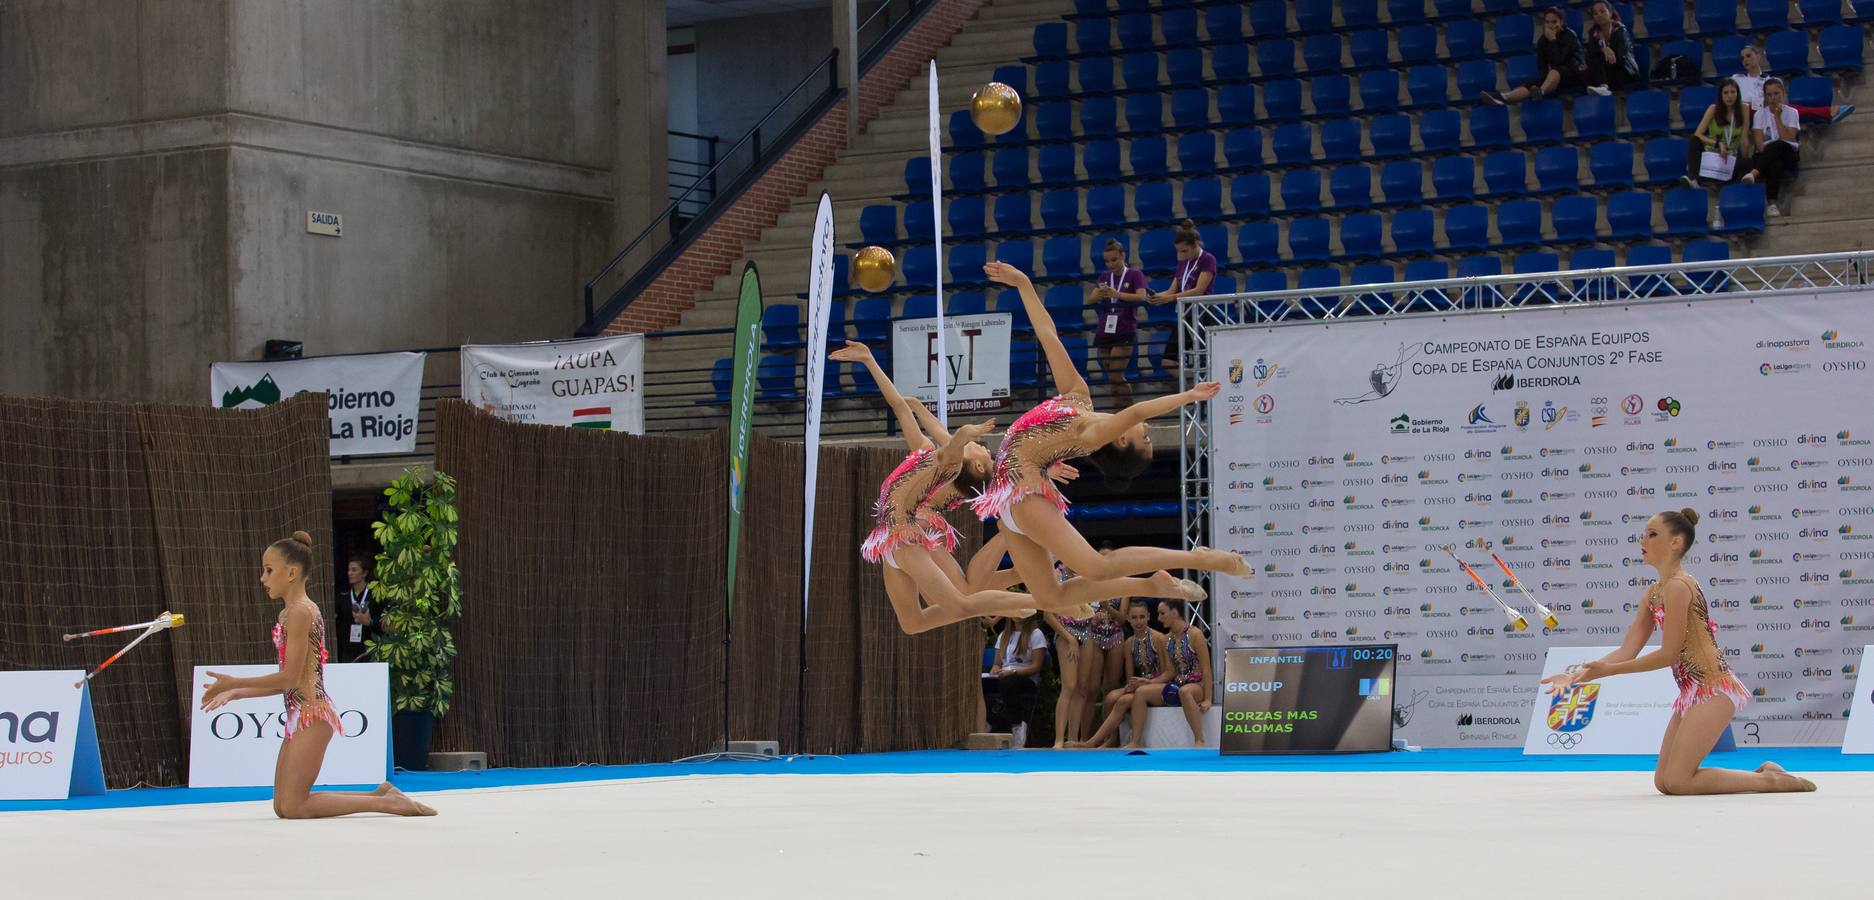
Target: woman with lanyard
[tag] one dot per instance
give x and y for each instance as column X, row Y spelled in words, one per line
column 1118, row 292
column 1719, row 143
column 362, row 609
column 1192, row 278
column 1777, row 128
column 1750, row 87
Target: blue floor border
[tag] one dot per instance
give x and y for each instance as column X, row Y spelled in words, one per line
column 927, row 762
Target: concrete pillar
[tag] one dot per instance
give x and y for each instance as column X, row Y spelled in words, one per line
column 846, row 39
column 641, row 172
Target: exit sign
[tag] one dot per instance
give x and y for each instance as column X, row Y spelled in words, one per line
column 325, row 223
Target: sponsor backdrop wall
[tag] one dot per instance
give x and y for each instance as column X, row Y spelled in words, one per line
column 1345, row 454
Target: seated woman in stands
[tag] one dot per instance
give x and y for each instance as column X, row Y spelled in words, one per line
column 1725, row 133
column 1559, row 61
column 1777, row 129
column 1750, row 82
column 1607, row 62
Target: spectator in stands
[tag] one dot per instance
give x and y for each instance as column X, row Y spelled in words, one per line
column 1015, row 679
column 1192, row 278
column 1187, row 656
column 1750, row 84
column 1558, row 56
column 1777, row 128
column 1118, row 293
column 1724, row 132
column 358, row 611
column 1144, row 655
column 1607, row 61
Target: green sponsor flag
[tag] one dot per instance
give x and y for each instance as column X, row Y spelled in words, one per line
column 742, row 409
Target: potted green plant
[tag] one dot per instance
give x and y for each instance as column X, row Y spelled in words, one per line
column 421, row 589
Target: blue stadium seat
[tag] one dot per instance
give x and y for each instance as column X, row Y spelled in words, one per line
column 1061, row 256
column 1224, row 22
column 1391, row 135
column 878, row 224
column 1440, row 131
column 1140, row 70
column 1351, row 187
column 1379, row 90
column 1467, row 227
column 1356, row 14
column 1053, row 121
column 1018, row 253
column 1151, row 200
column 1454, row 177
column 1230, row 62
column 965, row 303
column 1575, row 219
column 1372, row 48
column 776, row 377
column 1649, row 112
column 964, row 135
column 1051, row 40
column 1156, row 251
column 965, row 216
column 1519, row 223
column 1812, row 90
column 1340, row 140
column 1294, row 144
column 1360, row 235
column 1505, row 173
column 1693, row 101
column 1177, row 25
column 1715, row 16
column 1317, row 16
column 1515, row 34
column 1101, row 160
column 1282, row 99
column 965, row 262
column 1106, row 205
column 721, row 377
column 1058, row 166
column 1331, row 95
column 1452, row 9
column 1535, row 264
column 1479, row 267
column 1558, row 169
column 1060, row 210
column 1099, row 117
column 1742, row 206
column 780, row 326
column 1710, row 281
column 1024, row 363
column 1321, row 53
column 1593, row 258
column 1014, row 213
column 1787, row 53
column 917, row 173
column 1726, row 53
column 1542, row 120
column 1145, row 113
column 1663, row 20
column 1236, row 104
column 1427, row 86
column 1268, row 17
column 1257, row 243
column 1222, row 285
column 1275, row 58
column 1318, row 277
column 1686, row 211
column 1594, row 117
column 1093, row 35
column 1301, row 190
column 1215, row 236
column 1266, row 280
column 1521, row 70
column 1249, row 195
column 966, row 172
column 1650, row 255
column 1464, row 40
column 1412, row 231
column 919, row 220
column 1476, row 76
column 1403, row 183
column 1095, row 75
column 1630, row 213
column 1243, row 149
column 1197, row 152
column 871, row 320
column 1065, row 305
column 919, row 265
column 1147, row 156
column 1013, row 76
column 1190, row 108
column 1418, row 44
column 1405, row 12
column 1202, row 199
column 1843, row 48
column 1820, row 12
column 1611, row 164
column 1010, row 167
column 1664, row 159
column 1426, row 270
column 1489, row 126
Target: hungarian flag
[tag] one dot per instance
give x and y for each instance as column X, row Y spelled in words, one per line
column 593, row 417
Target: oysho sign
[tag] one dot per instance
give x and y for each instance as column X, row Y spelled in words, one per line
column 238, row 744
column 372, row 398
column 594, row 383
column 48, row 740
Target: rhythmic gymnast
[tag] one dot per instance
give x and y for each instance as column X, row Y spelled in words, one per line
column 915, row 542
column 311, row 721
column 1067, row 427
column 1709, row 694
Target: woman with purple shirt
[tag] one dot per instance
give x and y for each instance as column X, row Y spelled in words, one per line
column 1117, row 292
column 1196, row 270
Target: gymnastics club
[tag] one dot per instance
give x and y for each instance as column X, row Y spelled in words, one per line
column 1517, row 622
column 1548, row 618
column 163, row 622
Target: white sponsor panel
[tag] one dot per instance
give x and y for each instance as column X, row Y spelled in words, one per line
column 238, row 744
column 975, row 353
column 1860, row 734
column 1624, row 714
column 1346, row 455
column 941, row 335
column 48, row 737
column 590, row 383
column 1462, row 710
column 819, row 309
column 373, row 398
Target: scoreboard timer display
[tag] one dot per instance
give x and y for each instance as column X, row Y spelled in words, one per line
column 1308, row 699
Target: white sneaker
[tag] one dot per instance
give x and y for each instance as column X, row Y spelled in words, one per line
column 1772, row 211
column 1020, row 734
column 1717, row 221
column 1600, row 89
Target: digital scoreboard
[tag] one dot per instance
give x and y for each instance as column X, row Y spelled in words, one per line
column 1308, row 699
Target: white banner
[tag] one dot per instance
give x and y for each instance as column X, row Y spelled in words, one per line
column 937, row 216
column 1624, row 714
column 976, row 367
column 1860, row 736
column 590, row 383
column 1462, row 710
column 819, row 307
column 238, row 744
column 1347, row 454
column 373, row 397
column 48, row 737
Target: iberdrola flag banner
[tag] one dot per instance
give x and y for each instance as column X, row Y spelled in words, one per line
column 742, row 409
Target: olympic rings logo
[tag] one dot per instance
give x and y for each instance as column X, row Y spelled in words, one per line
column 1564, row 739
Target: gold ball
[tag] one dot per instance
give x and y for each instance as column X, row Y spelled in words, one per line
column 996, row 108
column 873, row 268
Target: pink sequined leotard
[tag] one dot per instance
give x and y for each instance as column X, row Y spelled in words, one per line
column 1700, row 670
column 302, row 710
column 912, row 521
column 1016, row 476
